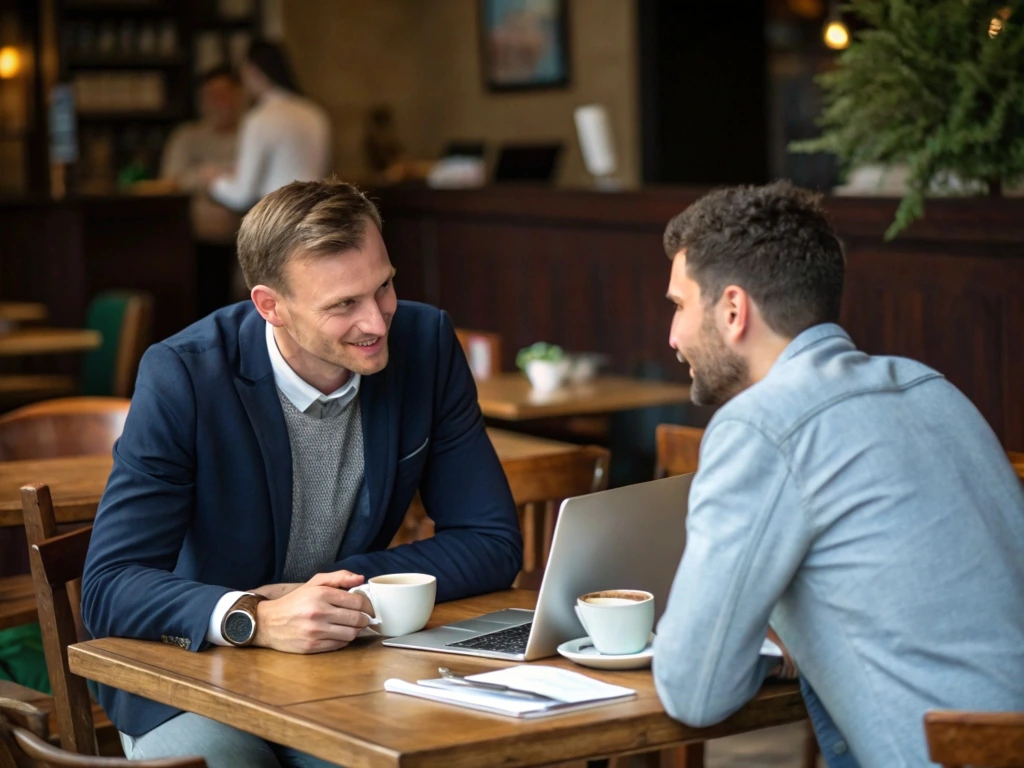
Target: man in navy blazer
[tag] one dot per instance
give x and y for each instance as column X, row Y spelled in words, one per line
column 269, row 456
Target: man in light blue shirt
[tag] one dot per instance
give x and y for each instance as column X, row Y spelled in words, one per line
column 860, row 505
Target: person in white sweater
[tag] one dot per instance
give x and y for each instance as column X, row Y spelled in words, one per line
column 285, row 137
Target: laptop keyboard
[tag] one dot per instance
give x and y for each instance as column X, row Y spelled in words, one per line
column 510, row 640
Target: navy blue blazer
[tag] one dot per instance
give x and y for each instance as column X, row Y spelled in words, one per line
column 199, row 501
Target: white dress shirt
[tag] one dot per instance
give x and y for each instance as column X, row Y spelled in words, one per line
column 284, row 138
column 301, row 394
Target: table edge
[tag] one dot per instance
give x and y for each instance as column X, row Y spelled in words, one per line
column 81, row 657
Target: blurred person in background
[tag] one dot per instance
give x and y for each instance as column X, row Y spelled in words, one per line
column 285, row 137
column 194, row 151
column 210, row 141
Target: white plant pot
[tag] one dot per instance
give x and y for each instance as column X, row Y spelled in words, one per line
column 547, row 375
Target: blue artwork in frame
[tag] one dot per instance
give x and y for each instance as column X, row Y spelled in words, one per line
column 524, row 44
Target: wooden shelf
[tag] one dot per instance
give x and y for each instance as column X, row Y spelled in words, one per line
column 118, row 8
column 128, row 62
column 114, row 117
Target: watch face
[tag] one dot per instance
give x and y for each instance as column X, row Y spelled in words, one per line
column 238, row 627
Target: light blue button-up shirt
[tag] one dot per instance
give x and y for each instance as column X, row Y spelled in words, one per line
column 863, row 505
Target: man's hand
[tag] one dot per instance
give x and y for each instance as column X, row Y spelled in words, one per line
column 317, row 616
column 787, row 669
column 274, row 591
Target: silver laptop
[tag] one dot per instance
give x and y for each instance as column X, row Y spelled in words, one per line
column 625, row 538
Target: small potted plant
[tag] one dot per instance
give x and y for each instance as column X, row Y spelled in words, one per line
column 545, row 365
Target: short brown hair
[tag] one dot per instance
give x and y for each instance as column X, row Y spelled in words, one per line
column 774, row 242
column 319, row 218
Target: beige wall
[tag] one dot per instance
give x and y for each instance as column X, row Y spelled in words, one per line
column 422, row 57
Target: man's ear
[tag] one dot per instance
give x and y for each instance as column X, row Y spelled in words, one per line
column 268, row 304
column 734, row 312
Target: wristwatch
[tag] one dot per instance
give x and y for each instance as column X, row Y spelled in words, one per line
column 239, row 624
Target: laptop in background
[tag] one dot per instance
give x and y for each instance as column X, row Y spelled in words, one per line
column 625, row 538
column 527, row 163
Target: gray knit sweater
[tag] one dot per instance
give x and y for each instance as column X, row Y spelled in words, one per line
column 327, row 476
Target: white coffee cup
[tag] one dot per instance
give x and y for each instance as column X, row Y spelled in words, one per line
column 618, row 621
column 402, row 602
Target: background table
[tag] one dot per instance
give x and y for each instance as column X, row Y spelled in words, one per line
column 76, row 485
column 22, row 311
column 48, row 341
column 333, row 705
column 510, row 397
column 77, row 482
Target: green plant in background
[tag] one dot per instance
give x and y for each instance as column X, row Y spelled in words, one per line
column 539, row 351
column 935, row 84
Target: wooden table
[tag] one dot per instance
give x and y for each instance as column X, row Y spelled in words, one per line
column 333, row 705
column 76, row 484
column 515, row 445
column 22, row 311
column 48, row 341
column 509, row 396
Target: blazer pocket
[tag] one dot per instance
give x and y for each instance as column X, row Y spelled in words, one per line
column 416, row 452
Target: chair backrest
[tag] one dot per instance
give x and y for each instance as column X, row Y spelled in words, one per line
column 539, row 485
column 70, row 426
column 483, row 351
column 23, row 744
column 57, row 564
column 982, row 739
column 124, row 319
column 1017, row 460
column 677, row 450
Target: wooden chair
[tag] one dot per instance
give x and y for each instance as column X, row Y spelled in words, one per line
column 989, row 739
column 483, row 351
column 1017, row 460
column 74, row 426
column 57, row 564
column 124, row 318
column 70, row 426
column 539, row 484
column 677, row 449
column 23, row 744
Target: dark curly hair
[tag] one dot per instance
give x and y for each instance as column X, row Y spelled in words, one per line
column 774, row 242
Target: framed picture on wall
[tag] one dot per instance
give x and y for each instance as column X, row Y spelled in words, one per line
column 524, row 44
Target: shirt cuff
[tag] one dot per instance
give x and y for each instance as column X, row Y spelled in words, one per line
column 220, row 610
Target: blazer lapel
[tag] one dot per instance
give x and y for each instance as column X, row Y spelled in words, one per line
column 258, row 392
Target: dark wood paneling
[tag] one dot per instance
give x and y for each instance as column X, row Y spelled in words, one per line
column 587, row 270
column 64, row 253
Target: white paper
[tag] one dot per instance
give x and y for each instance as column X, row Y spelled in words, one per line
column 595, row 135
column 573, row 691
column 557, row 683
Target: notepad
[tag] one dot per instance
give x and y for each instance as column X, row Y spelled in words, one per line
column 570, row 691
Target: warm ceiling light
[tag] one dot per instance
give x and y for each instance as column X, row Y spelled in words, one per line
column 10, row 62
column 837, row 36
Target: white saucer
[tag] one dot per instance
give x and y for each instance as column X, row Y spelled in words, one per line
column 582, row 651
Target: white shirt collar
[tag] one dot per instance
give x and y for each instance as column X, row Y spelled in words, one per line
column 301, row 393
